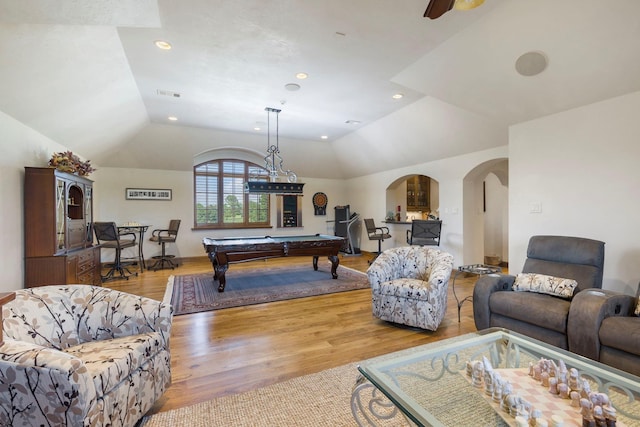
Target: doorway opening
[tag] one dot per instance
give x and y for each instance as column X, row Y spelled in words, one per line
column 486, row 213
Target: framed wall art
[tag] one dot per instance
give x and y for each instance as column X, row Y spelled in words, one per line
column 148, row 194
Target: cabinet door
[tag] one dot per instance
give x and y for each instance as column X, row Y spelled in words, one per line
column 76, row 224
column 88, row 214
column 61, row 215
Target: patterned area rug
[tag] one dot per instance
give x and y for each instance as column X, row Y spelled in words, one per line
column 198, row 292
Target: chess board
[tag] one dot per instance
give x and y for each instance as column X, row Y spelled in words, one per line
column 539, row 397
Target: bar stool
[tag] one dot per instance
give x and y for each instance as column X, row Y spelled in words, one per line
column 161, row 236
column 108, row 237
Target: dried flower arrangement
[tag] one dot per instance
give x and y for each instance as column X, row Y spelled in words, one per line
column 66, row 161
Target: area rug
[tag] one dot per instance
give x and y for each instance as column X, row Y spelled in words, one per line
column 320, row 399
column 197, row 292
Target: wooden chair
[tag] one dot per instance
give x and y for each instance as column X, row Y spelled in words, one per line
column 424, row 232
column 163, row 236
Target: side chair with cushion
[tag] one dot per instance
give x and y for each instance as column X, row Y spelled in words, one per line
column 424, row 232
column 376, row 233
column 409, row 285
column 536, row 302
column 605, row 326
column 108, row 237
column 81, row 355
column 162, row 237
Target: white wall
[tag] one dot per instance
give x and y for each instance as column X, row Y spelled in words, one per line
column 21, row 146
column 367, row 196
column 581, row 166
column 496, row 218
column 110, row 205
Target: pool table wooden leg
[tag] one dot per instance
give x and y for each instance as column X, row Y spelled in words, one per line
column 220, row 271
column 334, row 265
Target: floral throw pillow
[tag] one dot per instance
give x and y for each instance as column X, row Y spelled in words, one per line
column 638, row 301
column 543, row 284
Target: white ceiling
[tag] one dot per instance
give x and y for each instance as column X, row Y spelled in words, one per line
column 87, row 74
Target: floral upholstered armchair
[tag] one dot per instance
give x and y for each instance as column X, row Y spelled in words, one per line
column 409, row 285
column 79, row 355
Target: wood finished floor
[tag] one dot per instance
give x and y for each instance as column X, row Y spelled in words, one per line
column 238, row 349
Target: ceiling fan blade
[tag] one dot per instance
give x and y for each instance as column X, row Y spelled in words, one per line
column 437, row 8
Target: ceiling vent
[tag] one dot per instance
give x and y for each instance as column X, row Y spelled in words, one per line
column 168, row 93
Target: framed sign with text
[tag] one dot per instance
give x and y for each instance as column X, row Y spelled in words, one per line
column 147, row 194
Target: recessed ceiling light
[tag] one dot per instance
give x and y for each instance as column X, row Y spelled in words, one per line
column 172, row 118
column 353, row 122
column 302, row 76
column 161, row 44
column 398, row 96
column 256, row 128
column 324, row 137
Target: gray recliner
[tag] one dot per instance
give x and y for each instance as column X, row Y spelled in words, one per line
column 605, row 327
column 540, row 316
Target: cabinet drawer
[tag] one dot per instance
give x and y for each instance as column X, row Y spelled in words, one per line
column 85, row 257
column 85, row 266
column 86, row 278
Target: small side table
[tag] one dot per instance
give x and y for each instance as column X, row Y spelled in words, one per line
column 140, row 229
column 5, row 298
column 477, row 269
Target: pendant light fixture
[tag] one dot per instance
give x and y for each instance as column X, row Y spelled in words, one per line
column 274, row 166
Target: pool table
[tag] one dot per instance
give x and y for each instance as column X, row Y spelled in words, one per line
column 223, row 252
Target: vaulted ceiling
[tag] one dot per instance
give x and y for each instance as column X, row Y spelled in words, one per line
column 88, row 75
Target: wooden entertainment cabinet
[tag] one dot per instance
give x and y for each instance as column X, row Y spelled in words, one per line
column 58, row 232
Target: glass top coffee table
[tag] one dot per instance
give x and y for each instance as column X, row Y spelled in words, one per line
column 435, row 384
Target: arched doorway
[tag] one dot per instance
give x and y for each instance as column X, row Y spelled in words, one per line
column 486, row 215
column 416, row 195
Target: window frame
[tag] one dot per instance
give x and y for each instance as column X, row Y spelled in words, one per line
column 221, row 195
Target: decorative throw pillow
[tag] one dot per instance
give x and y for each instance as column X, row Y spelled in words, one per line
column 638, row 301
column 543, row 284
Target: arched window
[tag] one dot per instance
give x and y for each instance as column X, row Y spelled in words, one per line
column 220, row 200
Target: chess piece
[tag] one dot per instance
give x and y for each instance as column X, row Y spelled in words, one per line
column 563, row 390
column 477, row 374
column 575, row 398
column 553, row 385
column 574, row 383
column 599, row 416
column 603, row 399
column 557, row 421
column 586, row 389
column 537, row 372
column 488, row 383
column 544, row 378
column 504, row 405
column 497, row 388
column 523, row 410
column 610, row 415
column 536, row 414
column 586, row 412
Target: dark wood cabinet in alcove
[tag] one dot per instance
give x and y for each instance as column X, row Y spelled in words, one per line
column 418, row 193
